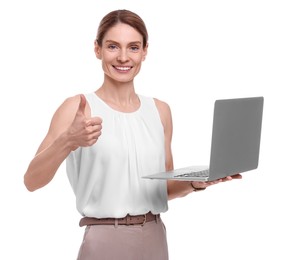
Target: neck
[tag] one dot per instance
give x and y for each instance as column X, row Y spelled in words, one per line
column 120, row 96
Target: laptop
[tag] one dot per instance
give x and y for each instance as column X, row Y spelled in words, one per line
column 235, row 145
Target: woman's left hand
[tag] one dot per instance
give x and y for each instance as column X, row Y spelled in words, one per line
column 203, row 185
column 177, row 189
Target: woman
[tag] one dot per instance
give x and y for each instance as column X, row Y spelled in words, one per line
column 111, row 138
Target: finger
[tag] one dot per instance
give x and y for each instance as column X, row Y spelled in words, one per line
column 82, row 104
column 97, row 120
column 94, row 121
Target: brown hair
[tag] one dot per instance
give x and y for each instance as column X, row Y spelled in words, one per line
column 121, row 16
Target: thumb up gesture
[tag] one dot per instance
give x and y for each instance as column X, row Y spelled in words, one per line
column 84, row 131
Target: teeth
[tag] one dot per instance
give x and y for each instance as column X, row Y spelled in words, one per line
column 123, row 68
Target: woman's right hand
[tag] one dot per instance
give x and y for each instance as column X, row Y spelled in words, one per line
column 84, row 131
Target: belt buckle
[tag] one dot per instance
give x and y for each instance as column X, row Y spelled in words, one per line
column 145, row 219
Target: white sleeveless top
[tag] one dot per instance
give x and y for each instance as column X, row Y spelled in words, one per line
column 106, row 177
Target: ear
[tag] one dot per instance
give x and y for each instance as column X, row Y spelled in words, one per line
column 145, row 51
column 97, row 50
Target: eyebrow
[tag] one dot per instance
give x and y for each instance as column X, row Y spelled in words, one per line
column 111, row 41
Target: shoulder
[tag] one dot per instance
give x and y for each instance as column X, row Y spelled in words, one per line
column 162, row 106
column 70, row 101
column 164, row 112
column 69, row 106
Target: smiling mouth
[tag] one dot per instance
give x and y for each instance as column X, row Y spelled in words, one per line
column 123, row 68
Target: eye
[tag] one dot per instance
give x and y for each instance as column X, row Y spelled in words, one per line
column 134, row 48
column 112, row 47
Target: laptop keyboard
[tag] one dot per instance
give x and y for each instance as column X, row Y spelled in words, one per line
column 204, row 173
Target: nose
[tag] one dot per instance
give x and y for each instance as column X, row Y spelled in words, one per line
column 123, row 56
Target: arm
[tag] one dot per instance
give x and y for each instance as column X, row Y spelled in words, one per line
column 175, row 188
column 70, row 128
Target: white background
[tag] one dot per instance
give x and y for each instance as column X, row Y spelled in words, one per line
column 199, row 51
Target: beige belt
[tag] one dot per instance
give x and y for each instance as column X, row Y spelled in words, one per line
column 128, row 220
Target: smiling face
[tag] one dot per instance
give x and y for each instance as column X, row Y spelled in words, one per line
column 121, row 52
